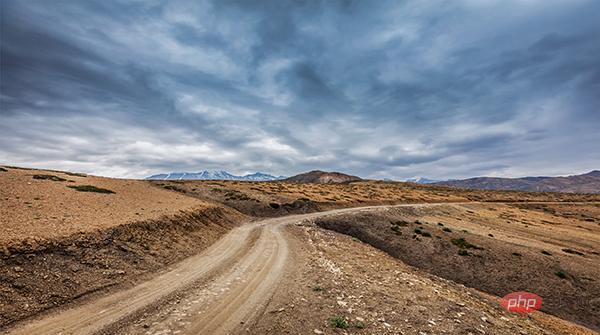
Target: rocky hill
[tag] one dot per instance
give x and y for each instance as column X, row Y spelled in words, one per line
column 584, row 183
column 322, row 177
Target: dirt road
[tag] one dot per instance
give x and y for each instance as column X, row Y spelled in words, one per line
column 228, row 284
column 225, row 289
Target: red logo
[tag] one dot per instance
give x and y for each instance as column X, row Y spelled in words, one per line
column 521, row 302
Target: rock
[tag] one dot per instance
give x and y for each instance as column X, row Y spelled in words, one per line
column 359, row 319
column 18, row 269
column 316, row 331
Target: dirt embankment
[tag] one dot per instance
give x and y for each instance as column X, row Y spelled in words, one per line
column 48, row 274
column 272, row 199
column 562, row 267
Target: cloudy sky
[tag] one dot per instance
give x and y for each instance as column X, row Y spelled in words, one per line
column 442, row 89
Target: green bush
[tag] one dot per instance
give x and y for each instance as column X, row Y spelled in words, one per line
column 48, row 177
column 463, row 244
column 90, row 188
column 463, row 252
column 339, row 322
column 560, row 274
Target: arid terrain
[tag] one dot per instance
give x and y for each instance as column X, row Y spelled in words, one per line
column 91, row 255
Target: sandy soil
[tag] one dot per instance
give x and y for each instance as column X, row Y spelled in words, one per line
column 269, row 278
column 270, row 199
column 512, row 250
column 34, row 210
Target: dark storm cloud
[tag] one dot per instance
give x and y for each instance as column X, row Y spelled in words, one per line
column 379, row 89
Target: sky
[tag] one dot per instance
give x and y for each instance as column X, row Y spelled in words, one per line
column 379, row 89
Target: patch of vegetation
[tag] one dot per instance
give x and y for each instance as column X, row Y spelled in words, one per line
column 446, row 229
column 174, row 188
column 75, row 174
column 90, row 188
column 396, row 229
column 48, row 177
column 516, row 254
column 426, row 234
column 463, row 244
column 3, row 169
column 339, row 322
column 546, row 253
column 463, row 252
column 359, row 324
column 400, row 223
column 236, row 195
column 560, row 274
column 418, row 222
column 274, row 205
column 490, row 235
column 318, row 289
column 440, row 224
column 574, row 252
column 418, row 231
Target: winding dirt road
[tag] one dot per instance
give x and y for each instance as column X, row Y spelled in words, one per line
column 225, row 286
column 226, row 289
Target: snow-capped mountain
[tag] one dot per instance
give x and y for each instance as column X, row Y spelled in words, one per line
column 213, row 175
column 421, row 180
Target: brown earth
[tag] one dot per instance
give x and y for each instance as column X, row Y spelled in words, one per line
column 60, row 244
column 114, row 263
column 270, row 199
column 268, row 277
column 510, row 250
column 33, row 210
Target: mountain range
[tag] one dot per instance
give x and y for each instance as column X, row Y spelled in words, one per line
column 422, row 180
column 583, row 183
column 214, row 175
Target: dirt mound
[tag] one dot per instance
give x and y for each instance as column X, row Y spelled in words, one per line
column 563, row 269
column 35, row 277
column 322, row 177
column 38, row 205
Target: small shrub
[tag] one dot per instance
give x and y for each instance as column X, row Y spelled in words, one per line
column 440, row 224
column 75, row 174
column 490, row 235
column 274, row 205
column 359, row 324
column 463, row 252
column 3, row 169
column 418, row 231
column 560, row 274
column 418, row 222
column 395, row 228
column 339, row 322
column 516, row 254
column 463, row 244
column 400, row 223
column 318, row 289
column 448, row 230
column 91, row 188
column 426, row 234
column 546, row 253
column 48, row 177
column 571, row 251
